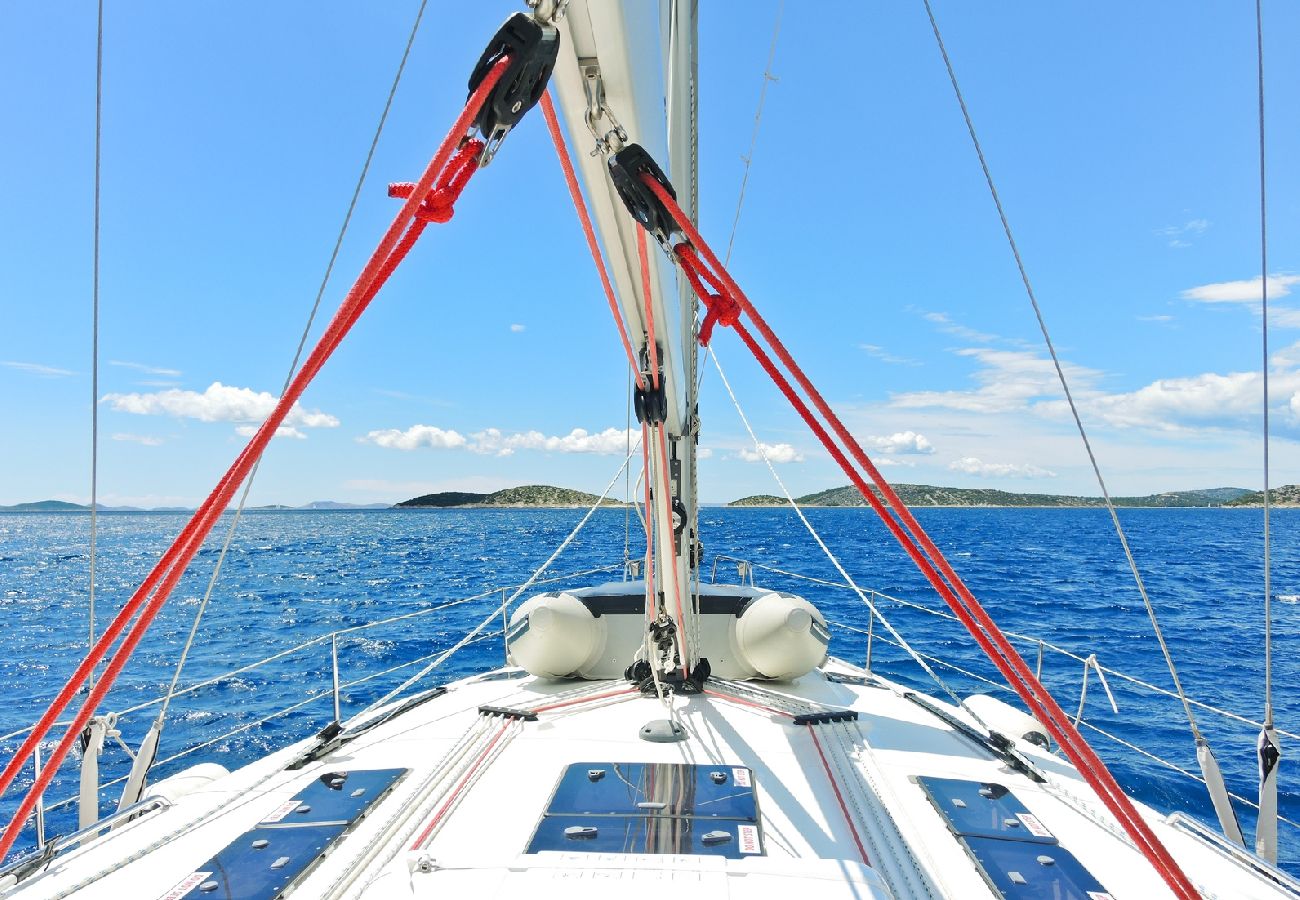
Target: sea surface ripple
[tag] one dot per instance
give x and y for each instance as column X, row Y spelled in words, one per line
column 1054, row 574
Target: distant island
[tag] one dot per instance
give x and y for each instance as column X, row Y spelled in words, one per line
column 524, row 495
column 930, row 495
column 528, row 495
column 545, row 495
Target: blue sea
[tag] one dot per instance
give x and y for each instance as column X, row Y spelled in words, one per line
column 1055, row 574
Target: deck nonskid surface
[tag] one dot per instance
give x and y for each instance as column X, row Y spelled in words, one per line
column 488, row 816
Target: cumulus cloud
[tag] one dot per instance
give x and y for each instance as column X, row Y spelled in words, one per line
column 609, row 441
column 36, row 369
column 970, row 465
column 777, row 453
column 219, row 403
column 499, row 443
column 1015, row 381
column 415, row 437
column 901, row 442
column 517, row 328
column 1247, row 291
column 1174, row 404
column 703, row 452
column 145, row 439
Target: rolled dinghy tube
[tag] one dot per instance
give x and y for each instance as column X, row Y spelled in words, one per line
column 597, row 633
column 1006, row 719
column 782, row 636
column 554, row 635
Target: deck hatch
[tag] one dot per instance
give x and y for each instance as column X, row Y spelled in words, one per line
column 984, row 809
column 1020, row 870
column 268, row 859
column 1014, row 852
column 655, row 789
column 602, row 807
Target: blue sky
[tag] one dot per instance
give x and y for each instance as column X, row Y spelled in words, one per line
column 1122, row 137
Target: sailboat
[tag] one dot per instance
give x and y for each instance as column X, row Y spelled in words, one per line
column 650, row 736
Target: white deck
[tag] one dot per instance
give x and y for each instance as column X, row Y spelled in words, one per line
column 479, row 851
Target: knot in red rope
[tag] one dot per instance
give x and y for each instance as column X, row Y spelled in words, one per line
column 722, row 310
column 439, row 205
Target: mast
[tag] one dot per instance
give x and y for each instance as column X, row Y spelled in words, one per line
column 627, row 74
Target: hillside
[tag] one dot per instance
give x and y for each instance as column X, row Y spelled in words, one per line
column 758, row 500
column 524, row 495
column 46, row 506
column 1287, row 495
column 931, row 495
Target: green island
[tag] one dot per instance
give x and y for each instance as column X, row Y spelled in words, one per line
column 524, row 495
column 545, row 495
column 931, row 495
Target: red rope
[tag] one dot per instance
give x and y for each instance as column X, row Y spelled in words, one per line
column 862, row 851
column 730, row 699
column 570, row 179
column 460, row 786
column 963, row 602
column 649, row 533
column 393, row 246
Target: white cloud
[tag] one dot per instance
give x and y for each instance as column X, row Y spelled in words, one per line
column 148, row 370
column 886, row 462
column 1176, row 233
column 704, row 453
column 901, row 442
column 878, row 352
column 37, row 369
column 1155, row 318
column 415, row 437
column 609, row 441
column 517, row 328
column 495, row 441
column 284, row 431
column 1247, row 291
column 219, row 403
column 1174, row 404
column 971, row 465
column 948, row 326
column 1008, row 380
column 145, row 439
column 777, row 453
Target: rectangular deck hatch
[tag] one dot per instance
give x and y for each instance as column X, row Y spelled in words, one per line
column 601, row 807
column 1019, row 870
column 268, row 859
column 655, row 789
column 984, row 809
column 1014, row 852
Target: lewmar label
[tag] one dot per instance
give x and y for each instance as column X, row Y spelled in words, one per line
column 1032, row 825
column 282, row 810
column 185, row 885
column 749, row 839
column 740, row 777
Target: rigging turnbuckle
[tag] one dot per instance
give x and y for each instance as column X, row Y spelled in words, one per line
column 532, row 47
column 626, row 168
